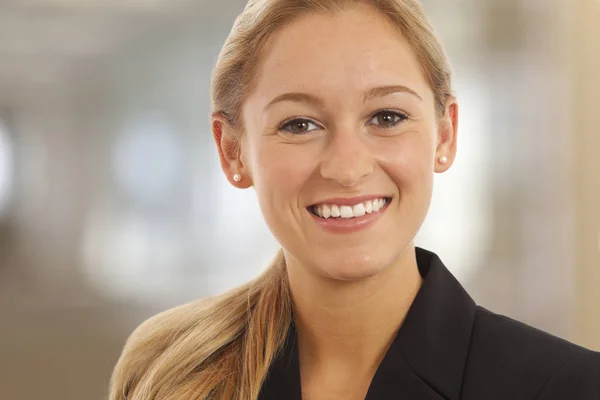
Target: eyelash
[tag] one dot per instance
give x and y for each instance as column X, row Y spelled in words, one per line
column 401, row 118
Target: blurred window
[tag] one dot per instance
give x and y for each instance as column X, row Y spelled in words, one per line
column 459, row 223
column 148, row 161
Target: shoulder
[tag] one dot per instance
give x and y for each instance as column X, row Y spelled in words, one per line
column 510, row 336
column 509, row 357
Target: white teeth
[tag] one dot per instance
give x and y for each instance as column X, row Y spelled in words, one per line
column 359, row 210
column 335, row 211
column 376, row 206
column 346, row 212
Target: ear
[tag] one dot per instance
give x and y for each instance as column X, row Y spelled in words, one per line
column 229, row 146
column 447, row 135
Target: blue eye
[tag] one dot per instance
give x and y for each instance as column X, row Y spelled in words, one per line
column 388, row 119
column 299, row 126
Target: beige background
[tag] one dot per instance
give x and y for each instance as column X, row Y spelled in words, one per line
column 586, row 45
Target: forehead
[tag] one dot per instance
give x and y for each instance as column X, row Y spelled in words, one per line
column 338, row 55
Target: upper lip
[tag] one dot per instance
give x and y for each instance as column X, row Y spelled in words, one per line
column 351, row 201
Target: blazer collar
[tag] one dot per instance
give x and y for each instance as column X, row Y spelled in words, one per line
column 436, row 334
column 427, row 358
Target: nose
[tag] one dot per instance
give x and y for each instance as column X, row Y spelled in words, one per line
column 347, row 159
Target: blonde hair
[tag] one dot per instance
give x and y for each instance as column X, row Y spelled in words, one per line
column 222, row 347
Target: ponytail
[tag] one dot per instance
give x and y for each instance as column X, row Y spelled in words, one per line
column 218, row 348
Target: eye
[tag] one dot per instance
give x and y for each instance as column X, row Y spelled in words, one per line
column 388, row 118
column 299, row 126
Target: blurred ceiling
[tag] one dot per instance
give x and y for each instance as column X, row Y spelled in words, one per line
column 44, row 41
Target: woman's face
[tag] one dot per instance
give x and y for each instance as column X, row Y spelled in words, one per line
column 341, row 142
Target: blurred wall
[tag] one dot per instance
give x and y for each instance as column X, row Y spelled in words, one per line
column 586, row 123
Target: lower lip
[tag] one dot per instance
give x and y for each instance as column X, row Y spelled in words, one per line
column 349, row 225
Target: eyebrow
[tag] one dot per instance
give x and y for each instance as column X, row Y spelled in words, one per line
column 297, row 98
column 371, row 94
column 385, row 90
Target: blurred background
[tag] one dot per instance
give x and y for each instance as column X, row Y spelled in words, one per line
column 113, row 205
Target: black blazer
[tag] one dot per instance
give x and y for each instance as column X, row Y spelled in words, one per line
column 450, row 348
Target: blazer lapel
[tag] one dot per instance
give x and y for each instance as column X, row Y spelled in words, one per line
column 426, row 360
column 283, row 380
column 435, row 337
column 395, row 380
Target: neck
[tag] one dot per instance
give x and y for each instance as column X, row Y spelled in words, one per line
column 351, row 324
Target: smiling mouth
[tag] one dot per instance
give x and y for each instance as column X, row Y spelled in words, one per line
column 342, row 212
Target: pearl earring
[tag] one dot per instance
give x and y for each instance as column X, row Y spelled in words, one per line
column 443, row 160
column 237, row 177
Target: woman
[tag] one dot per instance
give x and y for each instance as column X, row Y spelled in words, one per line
column 338, row 113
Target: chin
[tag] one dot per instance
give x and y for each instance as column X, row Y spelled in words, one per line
column 351, row 267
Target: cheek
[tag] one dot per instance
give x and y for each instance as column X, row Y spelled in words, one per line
column 280, row 171
column 408, row 160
